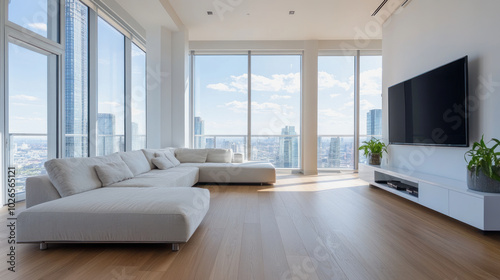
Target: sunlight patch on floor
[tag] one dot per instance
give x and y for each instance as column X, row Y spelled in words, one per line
column 297, row 183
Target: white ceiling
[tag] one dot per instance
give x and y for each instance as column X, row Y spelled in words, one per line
column 270, row 19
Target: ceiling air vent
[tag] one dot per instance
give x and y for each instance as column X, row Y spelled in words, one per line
column 379, row 7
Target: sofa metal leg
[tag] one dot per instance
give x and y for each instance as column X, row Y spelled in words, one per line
column 43, row 246
column 175, row 247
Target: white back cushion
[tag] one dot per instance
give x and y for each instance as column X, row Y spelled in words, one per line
column 113, row 172
column 136, row 162
column 220, row 155
column 191, row 155
column 75, row 175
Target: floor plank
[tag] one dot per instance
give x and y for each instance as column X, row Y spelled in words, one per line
column 329, row 226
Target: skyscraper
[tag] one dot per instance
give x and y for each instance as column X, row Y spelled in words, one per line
column 76, row 73
column 105, row 132
column 374, row 122
column 334, row 152
column 289, row 149
column 199, row 129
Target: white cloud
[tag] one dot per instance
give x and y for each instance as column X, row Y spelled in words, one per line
column 276, row 83
column 220, row 87
column 242, row 106
column 333, row 95
column 371, row 82
column 23, row 97
column 331, row 113
column 277, row 97
column 364, row 105
column 326, row 81
column 38, row 26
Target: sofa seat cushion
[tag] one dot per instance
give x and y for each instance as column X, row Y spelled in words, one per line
column 117, row 215
column 75, row 175
column 136, row 162
column 173, row 177
column 247, row 172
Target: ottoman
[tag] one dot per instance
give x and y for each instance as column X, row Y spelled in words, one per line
column 116, row 215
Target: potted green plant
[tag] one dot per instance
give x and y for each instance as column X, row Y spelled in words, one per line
column 373, row 149
column 483, row 169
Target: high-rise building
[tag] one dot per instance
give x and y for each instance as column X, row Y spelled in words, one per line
column 76, row 73
column 105, row 132
column 374, row 122
column 199, row 129
column 334, row 153
column 289, row 149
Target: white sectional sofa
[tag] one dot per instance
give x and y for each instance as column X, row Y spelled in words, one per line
column 124, row 197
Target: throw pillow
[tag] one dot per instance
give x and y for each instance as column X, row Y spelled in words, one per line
column 162, row 163
column 113, row 172
column 169, row 155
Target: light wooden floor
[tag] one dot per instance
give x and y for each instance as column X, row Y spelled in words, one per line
column 331, row 226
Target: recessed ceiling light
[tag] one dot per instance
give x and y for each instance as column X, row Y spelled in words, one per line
column 210, row 13
column 291, row 13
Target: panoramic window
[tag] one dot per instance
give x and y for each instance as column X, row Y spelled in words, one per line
column 76, row 79
column 110, row 90
column 336, row 112
column 370, row 107
column 275, row 92
column 28, row 110
column 138, row 101
column 41, row 16
column 221, row 115
column 221, row 102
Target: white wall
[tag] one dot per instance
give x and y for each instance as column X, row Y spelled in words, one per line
column 427, row 34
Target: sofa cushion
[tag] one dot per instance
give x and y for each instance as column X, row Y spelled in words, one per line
column 151, row 154
column 113, row 172
column 162, row 163
column 136, row 162
column 191, row 155
column 220, row 155
column 75, row 175
column 168, row 155
column 173, row 177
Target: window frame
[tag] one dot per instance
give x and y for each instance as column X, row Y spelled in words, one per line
column 357, row 96
column 248, row 136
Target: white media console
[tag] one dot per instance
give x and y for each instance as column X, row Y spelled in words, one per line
column 447, row 196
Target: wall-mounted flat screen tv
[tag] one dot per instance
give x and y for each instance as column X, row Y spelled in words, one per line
column 431, row 109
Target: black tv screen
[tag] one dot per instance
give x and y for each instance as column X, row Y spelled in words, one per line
column 431, row 109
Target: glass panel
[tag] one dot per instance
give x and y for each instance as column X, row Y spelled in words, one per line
column 41, row 16
column 77, row 79
column 370, row 100
column 276, row 87
column 282, row 151
column 335, row 111
column 27, row 109
column 138, row 98
column 111, row 90
column 336, row 152
column 237, row 144
column 220, row 96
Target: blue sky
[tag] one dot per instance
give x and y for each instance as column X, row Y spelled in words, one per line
column 221, row 93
